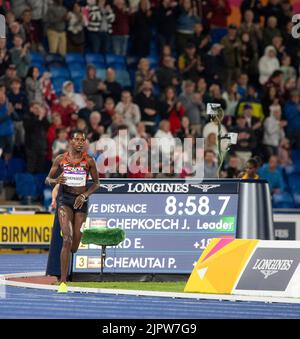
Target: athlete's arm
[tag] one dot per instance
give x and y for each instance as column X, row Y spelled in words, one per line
column 54, row 195
column 55, row 166
column 95, row 177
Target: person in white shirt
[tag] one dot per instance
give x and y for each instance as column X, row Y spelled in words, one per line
column 267, row 64
column 130, row 112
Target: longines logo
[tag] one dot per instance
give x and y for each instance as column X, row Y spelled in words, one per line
column 270, row 267
column 157, row 188
column 204, row 187
column 111, row 187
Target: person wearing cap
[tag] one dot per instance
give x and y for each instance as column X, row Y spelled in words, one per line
column 292, row 114
column 232, row 54
column 189, row 63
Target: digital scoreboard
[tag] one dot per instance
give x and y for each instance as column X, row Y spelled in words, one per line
column 167, row 224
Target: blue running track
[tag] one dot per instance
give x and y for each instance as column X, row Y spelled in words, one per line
column 31, row 303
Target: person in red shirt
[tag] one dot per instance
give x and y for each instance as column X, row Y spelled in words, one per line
column 220, row 11
column 51, row 133
column 67, row 111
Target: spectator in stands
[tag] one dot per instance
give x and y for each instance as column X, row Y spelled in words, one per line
column 255, row 6
column 284, row 156
column 166, row 21
column 248, row 56
column 270, row 31
column 221, row 10
column 108, row 112
column 91, row 86
column 243, row 148
column 273, row 131
column 201, row 39
column 277, row 43
column 189, row 63
column 292, row 115
column 120, row 27
column 216, row 95
column 33, row 86
column 67, row 110
column 210, row 165
column 172, row 109
column 15, row 28
column 81, row 125
column 167, row 75
column 108, row 17
column 251, row 98
column 10, row 74
column 214, row 64
column 143, row 73
column 75, row 30
column 110, row 87
column 39, row 10
column 193, row 105
column 52, row 132
column 242, row 84
column 130, row 112
column 287, row 70
column 32, row 32
column 95, row 127
column 76, row 98
column 273, row 175
column 56, row 20
column 210, row 143
column 232, row 169
column 232, row 54
column 60, row 144
column 185, row 24
column 5, row 58
column 273, row 8
column 249, row 26
column 149, row 106
column 166, row 139
column 185, row 131
column 141, row 32
column 19, row 102
column 18, row 7
column 231, row 98
column 267, row 64
column 6, row 125
column 20, row 56
column 36, row 126
column 48, row 90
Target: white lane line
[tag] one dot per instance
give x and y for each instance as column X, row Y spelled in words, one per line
column 173, row 295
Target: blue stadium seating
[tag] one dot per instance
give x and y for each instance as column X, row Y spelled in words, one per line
column 3, row 170
column 77, row 81
column 132, row 62
column 153, row 61
column 74, row 58
column 37, row 57
column 95, row 59
column 77, row 72
column 283, row 200
column 26, row 185
column 59, row 72
column 217, row 34
column 116, row 61
column 54, row 60
column 294, row 182
column 39, row 65
column 39, row 180
column 14, row 166
column 58, row 83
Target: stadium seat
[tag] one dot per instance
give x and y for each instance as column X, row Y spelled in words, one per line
column 39, row 180
column 123, row 77
column 132, row 62
column 153, row 61
column 37, row 57
column 26, row 186
column 14, row 166
column 58, row 83
column 115, row 61
column 283, row 200
column 294, row 182
column 59, row 72
column 3, row 170
column 54, row 60
column 77, row 72
column 95, row 59
column 77, row 81
column 74, row 58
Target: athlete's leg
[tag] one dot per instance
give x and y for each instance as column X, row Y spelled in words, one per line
column 79, row 218
column 66, row 217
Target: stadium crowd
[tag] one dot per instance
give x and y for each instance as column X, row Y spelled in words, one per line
column 150, row 67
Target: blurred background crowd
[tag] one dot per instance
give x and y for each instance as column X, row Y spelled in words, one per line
column 149, row 67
